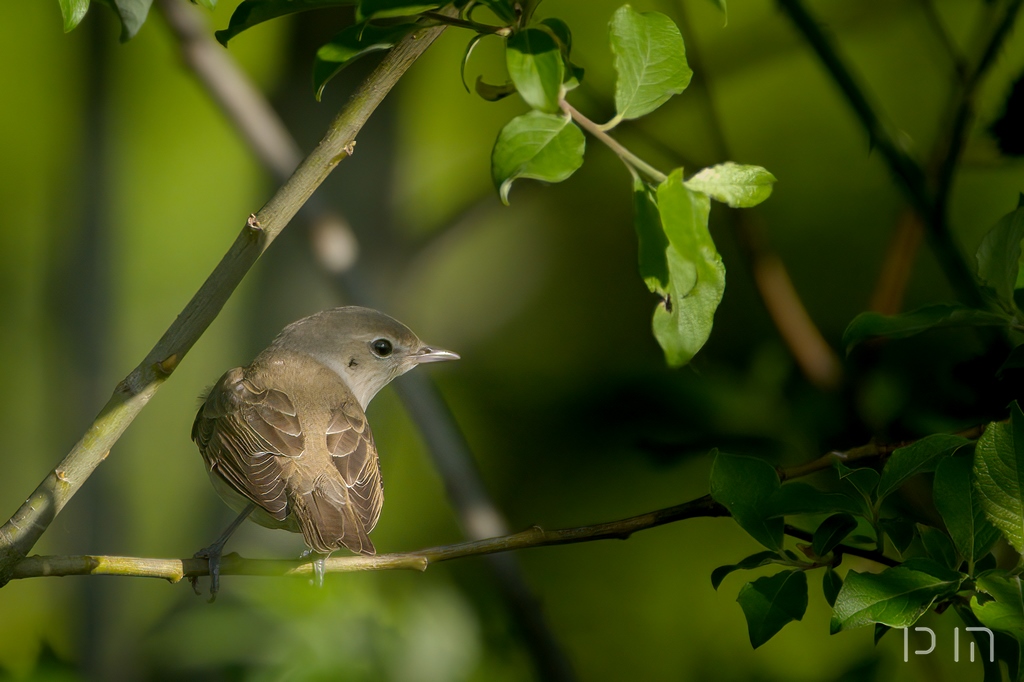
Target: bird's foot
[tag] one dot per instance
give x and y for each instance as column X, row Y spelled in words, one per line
column 213, row 555
column 319, row 566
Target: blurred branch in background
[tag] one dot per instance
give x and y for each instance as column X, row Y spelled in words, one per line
column 928, row 191
column 816, row 359
column 20, row 533
column 336, row 248
column 948, row 147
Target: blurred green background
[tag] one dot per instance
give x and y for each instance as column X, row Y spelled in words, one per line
column 122, row 185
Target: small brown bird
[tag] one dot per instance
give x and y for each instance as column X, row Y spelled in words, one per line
column 286, row 441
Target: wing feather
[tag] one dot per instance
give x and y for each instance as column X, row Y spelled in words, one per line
column 245, row 433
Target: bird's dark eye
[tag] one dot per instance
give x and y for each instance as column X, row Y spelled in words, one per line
column 382, row 348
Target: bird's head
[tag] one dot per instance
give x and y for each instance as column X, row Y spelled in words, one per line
column 365, row 347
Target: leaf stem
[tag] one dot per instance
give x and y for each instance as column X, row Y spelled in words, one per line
column 628, row 157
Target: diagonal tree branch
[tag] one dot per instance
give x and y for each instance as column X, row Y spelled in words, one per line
column 21, row 531
column 335, row 246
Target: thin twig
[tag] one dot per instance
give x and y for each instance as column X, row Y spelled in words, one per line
column 702, row 507
column 233, row 564
column 839, row 550
column 21, row 531
column 867, row 451
column 628, row 157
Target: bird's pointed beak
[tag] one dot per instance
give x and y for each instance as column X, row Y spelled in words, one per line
column 431, row 354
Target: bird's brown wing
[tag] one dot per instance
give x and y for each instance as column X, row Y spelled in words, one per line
column 344, row 508
column 245, row 432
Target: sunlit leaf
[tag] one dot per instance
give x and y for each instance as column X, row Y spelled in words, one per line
column 536, row 145
column 493, row 93
column 999, row 476
column 867, row 325
column 1005, row 611
column 132, row 14
column 534, row 62
column 252, row 12
column 73, row 11
column 351, row 44
column 683, row 320
column 650, row 60
column 896, row 597
column 208, row 4
column 771, row 602
column 743, row 485
column 737, row 185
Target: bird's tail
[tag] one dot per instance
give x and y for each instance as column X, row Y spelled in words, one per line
column 329, row 521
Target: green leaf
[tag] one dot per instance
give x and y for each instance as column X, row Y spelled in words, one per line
column 999, row 476
column 771, row 602
column 918, row 457
column 560, row 30
column 867, row 325
column 683, row 320
column 880, row 631
column 801, row 498
column 351, row 44
column 252, row 12
column 831, row 583
column 650, row 59
column 743, row 485
column 651, row 239
column 465, row 57
column 752, row 561
column 939, row 546
column 132, row 14
column 536, row 145
column 534, row 62
column 999, row 257
column 831, row 532
column 896, row 597
column 493, row 93
column 900, row 532
column 734, row 184
column 863, row 479
column 73, row 11
column 382, row 9
column 959, row 503
column 1006, row 647
column 1005, row 612
column 208, row 4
